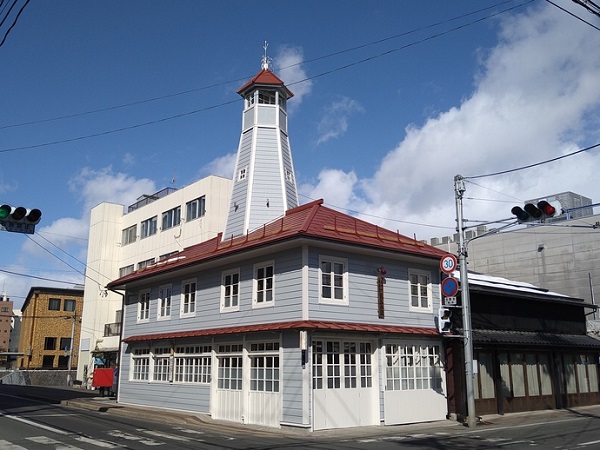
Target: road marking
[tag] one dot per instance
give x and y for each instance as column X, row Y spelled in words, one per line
column 164, row 435
column 49, row 441
column 33, row 424
column 589, row 443
column 132, row 437
column 5, row 445
column 96, row 442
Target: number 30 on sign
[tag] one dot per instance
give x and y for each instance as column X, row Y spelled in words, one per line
column 448, row 263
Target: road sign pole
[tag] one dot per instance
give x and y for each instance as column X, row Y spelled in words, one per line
column 459, row 190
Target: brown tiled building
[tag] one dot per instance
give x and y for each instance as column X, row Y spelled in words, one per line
column 51, row 318
column 6, row 311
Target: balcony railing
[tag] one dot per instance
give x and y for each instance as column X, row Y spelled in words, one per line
column 112, row 329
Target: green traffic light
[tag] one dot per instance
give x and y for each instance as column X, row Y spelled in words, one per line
column 5, row 211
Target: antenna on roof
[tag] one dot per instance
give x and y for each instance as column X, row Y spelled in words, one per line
column 265, row 59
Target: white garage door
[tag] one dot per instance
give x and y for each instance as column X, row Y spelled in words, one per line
column 343, row 384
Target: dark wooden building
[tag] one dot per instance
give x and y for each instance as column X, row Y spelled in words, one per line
column 530, row 350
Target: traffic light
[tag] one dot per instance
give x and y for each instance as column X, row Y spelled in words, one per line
column 532, row 213
column 444, row 323
column 19, row 219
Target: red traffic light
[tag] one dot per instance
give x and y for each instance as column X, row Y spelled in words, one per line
column 531, row 212
column 546, row 208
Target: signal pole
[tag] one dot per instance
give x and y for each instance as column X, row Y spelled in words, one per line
column 459, row 190
column 71, row 349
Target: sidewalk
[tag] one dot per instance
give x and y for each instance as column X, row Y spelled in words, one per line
column 90, row 400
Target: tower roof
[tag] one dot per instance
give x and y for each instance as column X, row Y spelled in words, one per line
column 264, row 78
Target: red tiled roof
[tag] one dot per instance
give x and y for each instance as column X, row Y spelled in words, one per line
column 264, row 78
column 311, row 220
column 292, row 325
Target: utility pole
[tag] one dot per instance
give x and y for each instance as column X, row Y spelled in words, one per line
column 459, row 190
column 71, row 349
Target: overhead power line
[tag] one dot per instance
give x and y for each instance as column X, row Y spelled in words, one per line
column 238, row 80
column 324, row 73
column 14, row 20
column 529, row 166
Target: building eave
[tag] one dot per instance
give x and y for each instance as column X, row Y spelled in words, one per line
column 308, row 325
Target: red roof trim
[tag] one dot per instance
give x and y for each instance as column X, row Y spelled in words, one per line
column 265, row 78
column 292, row 325
column 312, row 221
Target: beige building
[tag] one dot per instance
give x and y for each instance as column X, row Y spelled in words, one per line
column 124, row 239
column 561, row 256
column 51, row 320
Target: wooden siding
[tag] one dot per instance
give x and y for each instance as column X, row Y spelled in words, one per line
column 292, row 386
column 266, row 181
column 291, row 192
column 287, row 302
column 235, row 218
column 193, row 397
column 362, row 304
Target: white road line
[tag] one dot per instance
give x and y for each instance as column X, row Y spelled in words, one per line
column 132, row 437
column 160, row 434
column 96, row 442
column 589, row 443
column 188, row 431
column 49, row 441
column 34, row 424
column 5, row 445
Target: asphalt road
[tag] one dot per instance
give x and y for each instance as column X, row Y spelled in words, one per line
column 29, row 423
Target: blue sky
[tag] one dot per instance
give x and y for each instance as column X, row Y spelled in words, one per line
column 105, row 101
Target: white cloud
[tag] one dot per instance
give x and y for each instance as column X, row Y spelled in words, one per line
column 334, row 121
column 96, row 186
column 336, row 187
column 288, row 64
column 222, row 166
column 537, row 97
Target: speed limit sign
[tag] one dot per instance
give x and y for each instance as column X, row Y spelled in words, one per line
column 448, row 264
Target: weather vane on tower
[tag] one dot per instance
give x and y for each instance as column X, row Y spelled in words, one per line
column 265, row 59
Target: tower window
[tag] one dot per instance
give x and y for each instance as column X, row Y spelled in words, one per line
column 266, row 97
column 242, row 174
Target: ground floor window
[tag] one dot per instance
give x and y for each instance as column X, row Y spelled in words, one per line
column 581, row 373
column 193, row 364
column 229, row 375
column 264, row 368
column 161, row 359
column 410, row 367
column 337, row 364
column 141, row 364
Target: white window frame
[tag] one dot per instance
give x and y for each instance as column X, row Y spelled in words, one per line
column 162, row 365
column 243, row 174
column 188, row 298
column 129, row 235
column 165, row 302
column 143, row 306
column 143, row 264
column 413, row 366
column 126, row 270
column 140, row 364
column 171, row 218
column 193, row 364
column 224, row 295
column 260, row 299
column 195, row 209
column 148, row 227
column 429, row 287
column 331, row 300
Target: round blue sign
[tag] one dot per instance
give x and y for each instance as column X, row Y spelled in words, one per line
column 449, row 287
